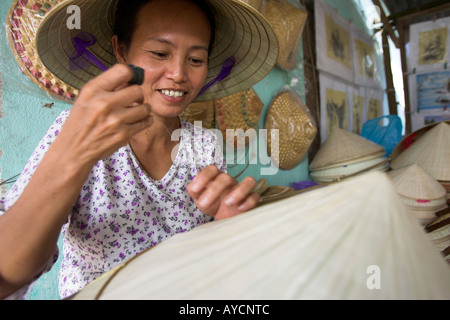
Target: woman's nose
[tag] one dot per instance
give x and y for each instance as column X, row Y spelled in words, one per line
column 177, row 70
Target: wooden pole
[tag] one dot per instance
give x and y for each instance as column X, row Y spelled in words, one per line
column 386, row 23
column 401, row 31
column 388, row 70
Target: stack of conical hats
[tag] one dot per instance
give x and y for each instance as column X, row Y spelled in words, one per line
column 345, row 154
column 439, row 232
column 432, row 153
column 421, row 193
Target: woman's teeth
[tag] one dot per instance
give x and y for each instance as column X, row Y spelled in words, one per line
column 172, row 93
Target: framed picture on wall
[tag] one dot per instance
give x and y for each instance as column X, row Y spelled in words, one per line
column 373, row 103
column 357, row 99
column 429, row 45
column 334, row 104
column 429, row 96
column 333, row 42
column 365, row 59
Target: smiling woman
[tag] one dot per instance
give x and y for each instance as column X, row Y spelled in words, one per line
column 117, row 191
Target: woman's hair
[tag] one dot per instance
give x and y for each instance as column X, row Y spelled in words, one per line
column 127, row 11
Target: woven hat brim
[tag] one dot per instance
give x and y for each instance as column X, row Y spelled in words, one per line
column 343, row 147
column 247, row 36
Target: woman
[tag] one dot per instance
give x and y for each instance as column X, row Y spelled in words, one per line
column 108, row 177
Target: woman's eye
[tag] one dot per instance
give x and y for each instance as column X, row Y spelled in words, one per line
column 197, row 61
column 159, row 54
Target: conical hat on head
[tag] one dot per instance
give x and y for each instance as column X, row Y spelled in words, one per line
column 431, row 152
column 344, row 147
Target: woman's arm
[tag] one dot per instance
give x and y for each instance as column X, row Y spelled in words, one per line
column 101, row 120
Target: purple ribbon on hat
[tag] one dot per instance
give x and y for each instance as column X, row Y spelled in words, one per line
column 82, row 58
column 227, row 66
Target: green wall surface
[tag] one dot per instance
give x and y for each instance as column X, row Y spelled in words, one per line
column 26, row 112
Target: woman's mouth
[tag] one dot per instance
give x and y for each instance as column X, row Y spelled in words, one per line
column 173, row 93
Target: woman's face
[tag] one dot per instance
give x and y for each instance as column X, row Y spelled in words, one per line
column 171, row 43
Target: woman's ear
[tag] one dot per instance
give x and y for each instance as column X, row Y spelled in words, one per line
column 118, row 50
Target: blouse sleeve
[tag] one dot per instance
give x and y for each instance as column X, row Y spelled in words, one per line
column 10, row 197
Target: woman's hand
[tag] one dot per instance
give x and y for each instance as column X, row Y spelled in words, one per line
column 106, row 114
column 220, row 195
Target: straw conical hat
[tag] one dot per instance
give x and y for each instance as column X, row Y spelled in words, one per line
column 288, row 22
column 346, row 171
column 431, row 152
column 415, row 183
column 354, row 240
column 409, row 139
column 44, row 45
column 439, row 231
column 343, row 147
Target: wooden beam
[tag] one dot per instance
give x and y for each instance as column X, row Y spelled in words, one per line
column 423, row 11
column 390, row 90
column 387, row 24
column 401, row 31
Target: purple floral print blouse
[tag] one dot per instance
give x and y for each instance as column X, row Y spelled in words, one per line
column 121, row 211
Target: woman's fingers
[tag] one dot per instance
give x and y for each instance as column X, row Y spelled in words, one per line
column 240, row 193
column 220, row 195
column 110, row 80
column 209, row 185
column 103, row 118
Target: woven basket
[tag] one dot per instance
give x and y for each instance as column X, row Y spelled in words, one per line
column 297, row 129
column 240, row 111
column 288, row 22
column 200, row 111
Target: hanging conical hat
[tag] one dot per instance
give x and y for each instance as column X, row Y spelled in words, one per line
column 415, row 183
column 344, row 147
column 431, row 152
column 353, row 240
column 290, row 117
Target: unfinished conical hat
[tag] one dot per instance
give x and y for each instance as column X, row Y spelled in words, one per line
column 415, row 183
column 431, row 152
column 337, row 242
column 344, row 147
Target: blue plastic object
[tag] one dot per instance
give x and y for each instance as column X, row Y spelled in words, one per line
column 385, row 130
